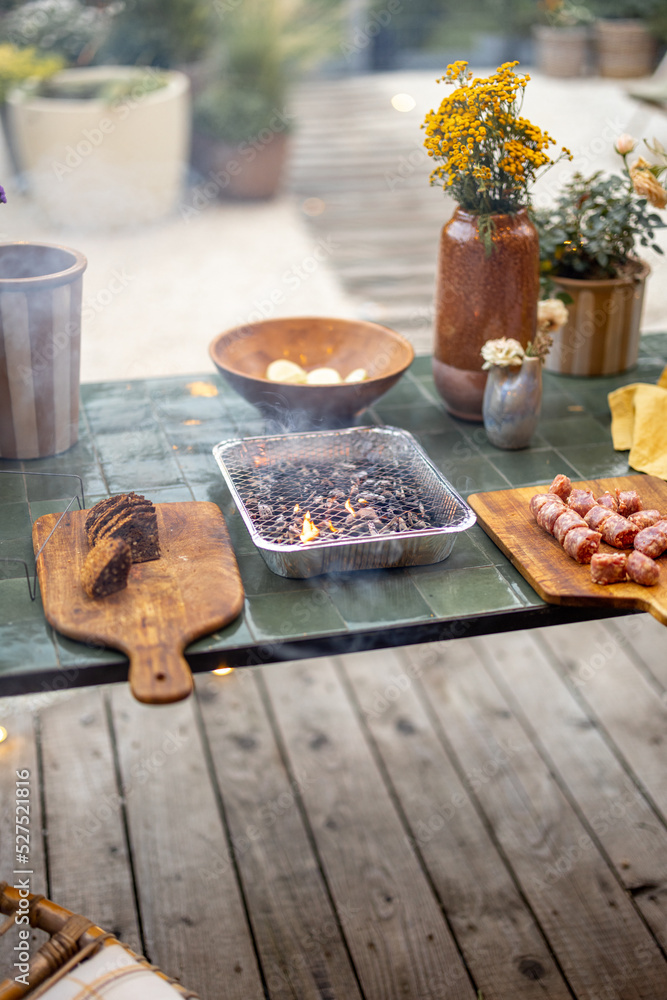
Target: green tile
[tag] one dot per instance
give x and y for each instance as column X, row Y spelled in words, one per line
column 256, row 575
column 15, row 521
column 596, row 461
column 458, row 593
column 490, row 450
column 12, row 484
column 587, row 431
column 469, row 473
column 490, row 551
column 466, row 552
column 78, row 655
column 519, row 585
column 419, row 417
column 377, row 598
column 421, row 366
column 16, row 548
column 527, row 467
column 38, row 508
column 25, row 639
column 236, row 634
column 137, row 460
column 405, row 393
column 294, row 615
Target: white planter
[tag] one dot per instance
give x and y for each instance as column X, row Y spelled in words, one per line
column 94, row 163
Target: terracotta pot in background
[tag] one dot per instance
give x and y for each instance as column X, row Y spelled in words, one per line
column 40, row 333
column 601, row 336
column 481, row 296
column 248, row 171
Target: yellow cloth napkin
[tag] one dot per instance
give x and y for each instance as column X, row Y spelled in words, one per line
column 639, row 423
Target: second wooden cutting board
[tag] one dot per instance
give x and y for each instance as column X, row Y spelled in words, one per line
column 193, row 589
column 506, row 518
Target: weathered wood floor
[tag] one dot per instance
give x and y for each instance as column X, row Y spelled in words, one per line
column 478, row 815
column 482, row 817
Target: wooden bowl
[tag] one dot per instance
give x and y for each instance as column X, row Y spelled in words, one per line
column 243, row 354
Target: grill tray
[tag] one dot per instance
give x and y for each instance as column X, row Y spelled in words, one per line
column 245, row 463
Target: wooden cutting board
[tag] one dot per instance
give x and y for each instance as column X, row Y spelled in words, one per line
column 193, row 589
column 506, row 518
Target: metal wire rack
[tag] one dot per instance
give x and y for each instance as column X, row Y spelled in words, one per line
column 80, row 498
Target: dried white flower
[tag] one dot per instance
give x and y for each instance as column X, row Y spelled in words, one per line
column 551, row 315
column 504, row 351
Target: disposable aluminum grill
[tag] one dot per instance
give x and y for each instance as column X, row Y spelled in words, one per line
column 269, row 477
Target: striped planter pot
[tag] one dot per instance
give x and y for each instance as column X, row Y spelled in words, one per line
column 40, row 335
column 601, row 336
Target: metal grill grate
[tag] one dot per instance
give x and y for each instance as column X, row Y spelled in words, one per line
column 394, row 494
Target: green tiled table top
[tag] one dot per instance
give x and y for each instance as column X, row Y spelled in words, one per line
column 155, row 436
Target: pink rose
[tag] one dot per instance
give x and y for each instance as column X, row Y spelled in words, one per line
column 625, row 143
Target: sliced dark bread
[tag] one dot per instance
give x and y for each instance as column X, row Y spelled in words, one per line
column 106, row 568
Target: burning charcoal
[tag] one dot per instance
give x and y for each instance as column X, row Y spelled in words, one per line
column 339, row 494
column 264, row 510
column 402, row 526
column 368, row 512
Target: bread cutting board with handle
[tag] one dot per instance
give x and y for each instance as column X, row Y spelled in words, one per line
column 194, row 588
column 505, row 517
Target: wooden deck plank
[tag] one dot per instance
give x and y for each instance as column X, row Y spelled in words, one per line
column 88, row 855
column 194, row 921
column 298, row 939
column 496, row 931
column 645, row 643
column 602, row 944
column 616, row 812
column 400, row 944
column 626, row 705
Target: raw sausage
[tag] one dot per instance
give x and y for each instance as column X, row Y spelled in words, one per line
column 608, row 567
column 642, row 569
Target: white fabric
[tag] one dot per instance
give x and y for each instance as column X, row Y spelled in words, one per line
column 111, row 974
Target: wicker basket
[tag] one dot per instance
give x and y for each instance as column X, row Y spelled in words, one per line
column 77, row 948
column 624, row 48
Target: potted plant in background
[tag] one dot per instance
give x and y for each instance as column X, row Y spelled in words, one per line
column 103, row 145
column 487, row 283
column 625, row 36
column 241, row 121
column 562, row 41
column 588, row 243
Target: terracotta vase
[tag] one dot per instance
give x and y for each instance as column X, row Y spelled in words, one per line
column 481, row 296
column 601, row 336
column 512, row 403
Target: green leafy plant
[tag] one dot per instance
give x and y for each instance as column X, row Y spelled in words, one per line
column 597, row 222
column 261, row 49
column 68, row 28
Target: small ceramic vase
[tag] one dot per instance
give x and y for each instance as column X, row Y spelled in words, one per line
column 512, row 401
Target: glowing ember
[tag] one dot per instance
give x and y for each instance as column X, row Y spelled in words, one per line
column 310, row 530
column 220, row 671
column 3, row 734
column 260, row 460
column 331, row 528
column 296, row 508
column 349, row 507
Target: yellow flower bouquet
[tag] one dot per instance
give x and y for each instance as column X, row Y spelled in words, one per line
column 488, row 155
